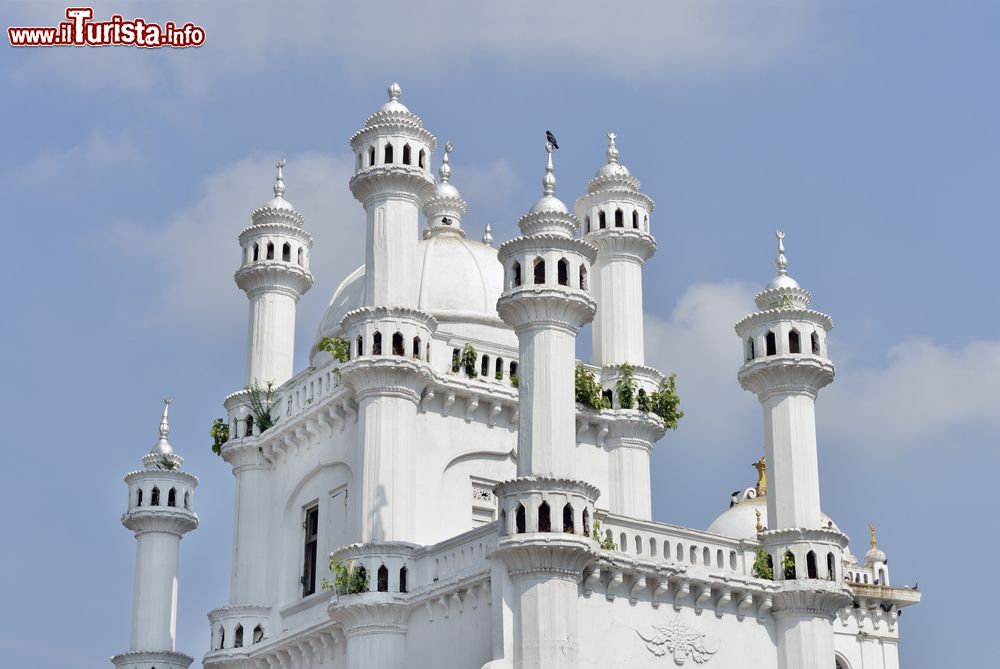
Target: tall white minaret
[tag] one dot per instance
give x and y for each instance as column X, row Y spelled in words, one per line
column 784, row 345
column 392, row 180
column 274, row 275
column 546, row 513
column 160, row 513
column 615, row 215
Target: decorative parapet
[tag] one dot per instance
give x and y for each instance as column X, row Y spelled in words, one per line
column 164, row 659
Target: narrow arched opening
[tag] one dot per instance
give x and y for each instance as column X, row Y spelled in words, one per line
column 812, row 570
column 519, row 525
column 539, row 270
column 138, row 497
column 187, row 499
column 498, row 369
column 387, row 158
column 750, row 349
column 256, row 252
column 270, row 251
column 382, row 579
column 815, row 343
column 586, row 224
column 456, row 360
column 831, row 567
column 377, row 343
column 258, row 634
column 568, row 527
column 652, row 547
column 619, row 219
column 238, row 637
column 359, row 346
column 286, row 252
column 544, row 518
column 371, row 156
column 635, row 219
column 484, row 366
column 249, row 426
column 513, row 369
column 357, row 163
column 609, row 396
column 602, row 220
column 586, row 522
column 398, row 347
column 154, row 497
column 406, row 154
column 772, row 344
column 402, row 579
column 515, row 270
column 301, row 257
column 222, row 637
column 562, row 272
column 172, row 497
column 645, row 223
column 416, row 347
column 794, row 344
column 788, row 566
column 420, row 158
column 583, row 277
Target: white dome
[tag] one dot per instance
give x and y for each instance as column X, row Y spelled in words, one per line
column 740, row 520
column 458, row 278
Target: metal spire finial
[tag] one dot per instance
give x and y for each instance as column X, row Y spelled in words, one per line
column 162, row 446
column 872, row 528
column 612, row 149
column 445, row 170
column 394, row 92
column 488, row 235
column 549, row 180
column 279, row 180
column 781, row 262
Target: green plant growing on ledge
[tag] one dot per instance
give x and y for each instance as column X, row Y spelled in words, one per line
column 665, row 402
column 589, row 391
column 469, row 361
column 763, row 566
column 788, row 566
column 514, row 380
column 347, row 579
column 261, row 405
column 219, row 434
column 626, row 388
column 605, row 542
column 339, row 348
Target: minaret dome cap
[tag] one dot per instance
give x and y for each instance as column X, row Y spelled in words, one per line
column 612, row 167
column 549, row 203
column 782, row 280
column 279, row 201
column 162, row 446
column 394, row 105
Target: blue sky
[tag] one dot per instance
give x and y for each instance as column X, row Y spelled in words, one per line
column 866, row 130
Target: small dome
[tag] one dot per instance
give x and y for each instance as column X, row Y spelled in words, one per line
column 740, row 520
column 783, row 281
column 445, row 189
column 279, row 203
column 612, row 170
column 549, row 204
column 394, row 105
column 873, row 555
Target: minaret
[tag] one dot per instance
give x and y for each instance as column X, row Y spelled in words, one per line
column 875, row 559
column 615, row 216
column 545, row 513
column 274, row 275
column 392, row 180
column 786, row 364
column 160, row 513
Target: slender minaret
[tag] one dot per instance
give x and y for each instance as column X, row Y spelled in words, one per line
column 160, row 513
column 545, row 513
column 274, row 275
column 786, row 365
column 392, row 180
column 615, row 214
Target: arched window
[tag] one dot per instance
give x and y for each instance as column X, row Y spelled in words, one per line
column 586, row 224
column 222, row 637
column 172, row 497
column 238, row 637
column 519, row 519
column 258, row 634
column 416, row 347
column 256, row 252
column 586, row 522
column 382, row 581
column 619, row 219
column 362, row 574
column 609, row 396
column 270, row 251
column 377, row 343
column 138, row 497
column 794, row 345
column 187, row 499
column 652, row 547
column 812, row 571
column 456, row 358
column 420, row 158
column 568, row 519
column 562, row 272
column 539, row 270
column 286, row 252
column 154, row 497
column 357, row 163
column 583, row 277
column 249, row 423
column 388, row 154
column 359, row 345
column 484, row 366
column 301, row 256
column 772, row 345
column 402, row 579
column 516, row 271
column 406, row 154
column 635, row 219
column 831, row 567
column 513, row 369
column 864, row 579
column 544, row 518
column 789, row 570
column 602, row 221
column 398, row 347
column 498, row 374
column 750, row 351
column 371, row 156
column 706, row 557
column 815, row 343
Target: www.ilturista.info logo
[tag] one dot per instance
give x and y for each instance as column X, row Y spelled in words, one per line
column 80, row 30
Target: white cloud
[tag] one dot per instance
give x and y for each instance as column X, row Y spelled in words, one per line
column 72, row 166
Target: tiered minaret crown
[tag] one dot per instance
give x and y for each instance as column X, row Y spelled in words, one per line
column 445, row 209
column 274, row 275
column 160, row 513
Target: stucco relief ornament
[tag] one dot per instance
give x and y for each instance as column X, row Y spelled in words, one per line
column 680, row 641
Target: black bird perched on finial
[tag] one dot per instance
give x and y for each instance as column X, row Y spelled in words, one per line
column 551, row 139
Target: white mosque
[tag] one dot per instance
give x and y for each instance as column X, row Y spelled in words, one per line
column 432, row 490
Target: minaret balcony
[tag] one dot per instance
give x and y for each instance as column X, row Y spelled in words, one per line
column 561, row 307
column 169, row 520
column 382, row 182
column 626, row 244
column 274, row 276
column 164, row 659
column 786, row 374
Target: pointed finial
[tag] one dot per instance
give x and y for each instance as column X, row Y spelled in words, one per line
column 279, row 180
column 781, row 262
column 760, row 527
column 394, row 92
column 488, row 235
column 872, row 528
column 549, row 180
column 162, row 446
column 445, row 170
column 761, row 467
column 612, row 149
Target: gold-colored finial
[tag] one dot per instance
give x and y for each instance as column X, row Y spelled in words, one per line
column 760, row 528
column 872, row 528
column 761, row 467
